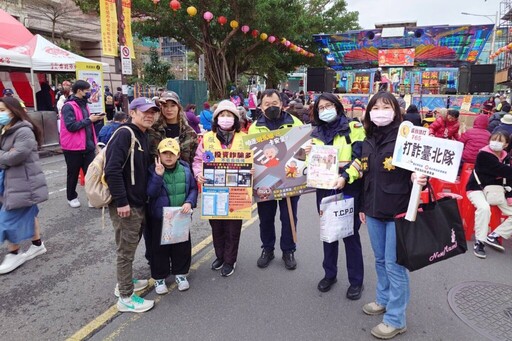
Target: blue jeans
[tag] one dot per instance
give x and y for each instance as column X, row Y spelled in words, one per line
column 392, row 279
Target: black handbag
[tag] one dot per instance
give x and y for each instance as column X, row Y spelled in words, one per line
column 436, row 235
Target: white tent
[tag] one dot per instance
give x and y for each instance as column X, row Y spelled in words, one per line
column 13, row 59
column 46, row 56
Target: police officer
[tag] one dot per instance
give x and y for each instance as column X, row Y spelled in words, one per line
column 335, row 129
column 273, row 118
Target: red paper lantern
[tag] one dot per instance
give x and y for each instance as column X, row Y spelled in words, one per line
column 175, row 5
column 245, row 29
column 222, row 20
column 255, row 33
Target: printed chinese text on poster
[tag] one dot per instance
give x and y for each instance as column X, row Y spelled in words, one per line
column 322, row 167
column 279, row 162
column 227, row 192
column 92, row 73
column 175, row 226
column 416, row 151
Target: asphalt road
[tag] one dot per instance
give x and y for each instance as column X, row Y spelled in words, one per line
column 69, row 291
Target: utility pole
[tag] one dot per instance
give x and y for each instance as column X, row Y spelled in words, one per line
column 121, row 42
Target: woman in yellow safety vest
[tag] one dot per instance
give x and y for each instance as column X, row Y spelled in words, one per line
column 225, row 134
column 335, row 129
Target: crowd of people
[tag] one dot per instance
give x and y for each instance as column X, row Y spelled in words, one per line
column 154, row 159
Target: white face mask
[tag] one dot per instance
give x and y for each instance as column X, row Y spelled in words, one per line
column 496, row 146
column 383, row 117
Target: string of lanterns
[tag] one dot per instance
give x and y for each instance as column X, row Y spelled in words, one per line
column 175, row 5
column 499, row 51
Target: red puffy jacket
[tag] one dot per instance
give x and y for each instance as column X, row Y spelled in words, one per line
column 475, row 139
column 445, row 129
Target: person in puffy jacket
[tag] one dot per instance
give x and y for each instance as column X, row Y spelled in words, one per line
column 495, row 119
column 446, row 126
column 24, row 184
column 475, row 139
column 412, row 115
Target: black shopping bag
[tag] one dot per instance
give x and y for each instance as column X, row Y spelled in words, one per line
column 436, row 235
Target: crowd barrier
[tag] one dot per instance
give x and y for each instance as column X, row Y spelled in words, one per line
column 47, row 123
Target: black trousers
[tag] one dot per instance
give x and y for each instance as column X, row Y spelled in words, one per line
column 226, row 238
column 353, row 249
column 76, row 160
column 167, row 259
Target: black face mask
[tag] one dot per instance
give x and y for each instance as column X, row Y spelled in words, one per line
column 273, row 112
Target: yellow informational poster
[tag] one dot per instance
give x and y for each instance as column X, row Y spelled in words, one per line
column 108, row 19
column 227, row 192
column 466, row 103
column 92, row 73
column 127, row 14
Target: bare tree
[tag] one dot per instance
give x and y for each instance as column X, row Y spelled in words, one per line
column 56, row 12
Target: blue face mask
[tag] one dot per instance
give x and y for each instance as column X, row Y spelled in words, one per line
column 5, row 119
column 328, row 115
column 87, row 95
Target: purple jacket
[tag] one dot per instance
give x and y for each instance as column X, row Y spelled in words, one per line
column 475, row 139
column 193, row 121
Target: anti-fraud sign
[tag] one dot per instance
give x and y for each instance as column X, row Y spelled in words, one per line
column 227, row 191
column 416, row 151
column 279, row 162
column 92, row 73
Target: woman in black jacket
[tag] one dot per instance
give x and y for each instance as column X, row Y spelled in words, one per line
column 412, row 115
column 491, row 167
column 386, row 193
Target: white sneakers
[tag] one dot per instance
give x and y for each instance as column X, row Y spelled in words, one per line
column 161, row 287
column 11, row 262
column 138, row 285
column 134, row 304
column 74, row 203
column 34, row 251
column 182, row 282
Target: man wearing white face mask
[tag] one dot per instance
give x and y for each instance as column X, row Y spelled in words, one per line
column 334, row 128
column 490, row 169
column 225, row 134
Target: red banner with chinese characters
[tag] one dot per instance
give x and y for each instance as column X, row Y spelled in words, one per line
column 397, row 57
column 108, row 19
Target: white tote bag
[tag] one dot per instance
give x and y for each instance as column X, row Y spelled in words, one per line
column 336, row 218
column 175, row 226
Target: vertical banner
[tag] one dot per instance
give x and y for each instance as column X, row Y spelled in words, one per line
column 127, row 14
column 108, row 19
column 92, row 73
column 227, row 192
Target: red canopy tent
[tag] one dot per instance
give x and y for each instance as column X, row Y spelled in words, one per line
column 12, row 32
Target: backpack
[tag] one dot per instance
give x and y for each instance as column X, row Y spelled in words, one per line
column 236, row 100
column 96, row 187
column 109, row 100
column 118, row 98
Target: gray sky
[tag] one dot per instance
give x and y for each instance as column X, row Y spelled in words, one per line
column 424, row 12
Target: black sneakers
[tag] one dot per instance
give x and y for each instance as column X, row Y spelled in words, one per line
column 217, row 264
column 325, row 284
column 354, row 292
column 227, row 269
column 289, row 260
column 479, row 250
column 494, row 242
column 265, row 258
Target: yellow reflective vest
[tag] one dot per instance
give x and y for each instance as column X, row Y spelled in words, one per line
column 211, row 141
column 260, row 127
column 354, row 170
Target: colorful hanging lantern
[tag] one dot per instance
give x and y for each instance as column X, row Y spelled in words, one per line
column 287, row 43
column 263, row 36
column 156, row 2
column 233, row 24
column 191, row 11
column 222, row 20
column 175, row 5
column 255, row 33
column 208, row 16
column 271, row 39
column 283, row 41
column 245, row 29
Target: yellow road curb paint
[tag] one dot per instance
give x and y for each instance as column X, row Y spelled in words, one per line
column 111, row 312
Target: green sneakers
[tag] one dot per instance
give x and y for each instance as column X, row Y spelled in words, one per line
column 134, row 304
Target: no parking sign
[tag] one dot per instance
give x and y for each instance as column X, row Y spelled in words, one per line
column 126, row 61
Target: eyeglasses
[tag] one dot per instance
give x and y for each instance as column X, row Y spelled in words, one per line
column 328, row 106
